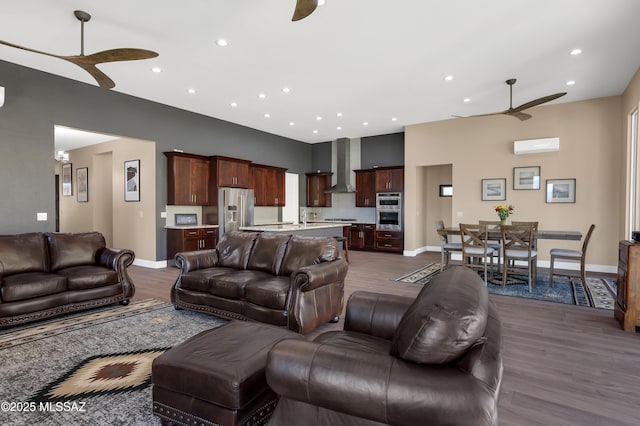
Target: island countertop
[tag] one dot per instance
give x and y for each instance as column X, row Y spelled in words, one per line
column 295, row 228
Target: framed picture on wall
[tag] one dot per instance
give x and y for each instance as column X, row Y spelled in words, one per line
column 494, row 189
column 561, row 191
column 446, row 190
column 67, row 188
column 132, row 180
column 82, row 177
column 526, row 177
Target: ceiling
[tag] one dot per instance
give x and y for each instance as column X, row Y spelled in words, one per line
column 378, row 62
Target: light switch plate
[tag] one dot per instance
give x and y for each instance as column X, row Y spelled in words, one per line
column 41, row 217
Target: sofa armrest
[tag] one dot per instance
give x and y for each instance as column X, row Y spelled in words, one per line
column 375, row 314
column 194, row 260
column 377, row 386
column 314, row 276
column 119, row 260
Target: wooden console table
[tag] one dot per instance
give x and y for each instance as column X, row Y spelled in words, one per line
column 627, row 307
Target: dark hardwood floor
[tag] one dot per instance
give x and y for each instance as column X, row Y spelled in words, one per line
column 563, row 365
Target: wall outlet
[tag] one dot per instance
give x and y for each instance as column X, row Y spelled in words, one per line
column 460, row 214
column 41, row 217
column 163, row 215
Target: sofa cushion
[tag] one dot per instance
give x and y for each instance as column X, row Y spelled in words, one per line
column 447, row 318
column 234, row 249
column 268, row 252
column 271, row 292
column 305, row 251
column 66, row 250
column 232, row 285
column 198, row 280
column 88, row 276
column 31, row 284
column 23, row 253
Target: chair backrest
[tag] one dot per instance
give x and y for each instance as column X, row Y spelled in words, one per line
column 532, row 223
column 585, row 242
column 518, row 237
column 474, row 236
column 440, row 227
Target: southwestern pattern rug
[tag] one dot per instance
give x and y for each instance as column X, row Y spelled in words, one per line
column 597, row 293
column 92, row 368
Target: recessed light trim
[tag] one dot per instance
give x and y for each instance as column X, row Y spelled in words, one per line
column 576, row 51
column 192, row 91
column 291, row 123
column 339, row 128
column 366, row 123
column 286, row 89
column 448, row 78
column 315, row 132
column 262, row 96
column 267, row 115
column 319, row 118
column 222, row 42
column 339, row 114
column 394, row 118
column 234, row 104
column 466, row 100
column 156, row 69
column 571, row 83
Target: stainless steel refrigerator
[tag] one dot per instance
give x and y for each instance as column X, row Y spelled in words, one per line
column 235, row 209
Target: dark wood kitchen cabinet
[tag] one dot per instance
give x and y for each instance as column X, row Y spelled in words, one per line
column 268, row 184
column 365, row 188
column 317, row 183
column 391, row 241
column 190, row 239
column 362, row 236
column 187, row 179
column 230, row 172
column 389, row 179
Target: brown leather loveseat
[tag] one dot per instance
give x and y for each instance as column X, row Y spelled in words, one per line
column 286, row 280
column 48, row 274
column 435, row 360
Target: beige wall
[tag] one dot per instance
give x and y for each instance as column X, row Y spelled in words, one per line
column 125, row 224
column 630, row 103
column 591, row 150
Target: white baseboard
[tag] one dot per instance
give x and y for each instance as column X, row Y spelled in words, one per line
column 152, row 264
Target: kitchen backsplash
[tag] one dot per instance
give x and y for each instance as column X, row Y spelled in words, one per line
column 342, row 207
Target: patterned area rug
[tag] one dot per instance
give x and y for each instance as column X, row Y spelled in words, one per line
column 598, row 292
column 91, row 369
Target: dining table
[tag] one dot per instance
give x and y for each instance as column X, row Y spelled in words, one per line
column 495, row 234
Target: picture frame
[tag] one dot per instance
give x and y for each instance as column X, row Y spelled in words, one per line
column 82, row 180
column 526, row 178
column 494, row 189
column 132, row 180
column 446, row 190
column 67, row 186
column 561, row 191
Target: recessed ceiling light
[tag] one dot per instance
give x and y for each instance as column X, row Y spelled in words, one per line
column 318, row 118
column 576, row 52
column 315, row 132
column 234, row 104
column 267, row 115
column 339, row 128
column 291, row 123
column 320, row 2
column 156, row 69
column 570, row 83
column 222, row 42
column 339, row 114
column 286, row 89
column 448, row 78
column 192, row 91
column 394, row 119
column 466, row 100
column 262, row 96
column 365, row 123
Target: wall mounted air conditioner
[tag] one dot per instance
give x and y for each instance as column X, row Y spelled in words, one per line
column 534, row 146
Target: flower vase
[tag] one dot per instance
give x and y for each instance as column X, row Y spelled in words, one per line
column 502, row 221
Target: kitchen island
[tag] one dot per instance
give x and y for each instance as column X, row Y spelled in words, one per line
column 310, row 229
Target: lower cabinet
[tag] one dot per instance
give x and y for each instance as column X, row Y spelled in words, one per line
column 190, row 239
column 391, row 241
column 362, row 237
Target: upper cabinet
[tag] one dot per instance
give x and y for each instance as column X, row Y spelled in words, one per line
column 268, row 183
column 230, row 172
column 365, row 188
column 317, row 183
column 389, row 179
column 187, row 179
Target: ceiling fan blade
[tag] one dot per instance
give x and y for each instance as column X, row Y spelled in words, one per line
column 103, row 80
column 304, row 8
column 6, row 43
column 115, row 55
column 521, row 115
column 538, row 101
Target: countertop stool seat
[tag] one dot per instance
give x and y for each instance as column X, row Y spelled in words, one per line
column 217, row 377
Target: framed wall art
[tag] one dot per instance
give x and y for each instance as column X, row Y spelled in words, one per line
column 494, row 189
column 446, row 190
column 561, row 191
column 132, row 180
column 67, row 187
column 82, row 179
column 526, row 177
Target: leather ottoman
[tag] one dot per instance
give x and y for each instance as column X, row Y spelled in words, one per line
column 217, row 377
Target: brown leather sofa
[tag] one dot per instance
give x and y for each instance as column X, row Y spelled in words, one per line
column 285, row 280
column 435, row 360
column 48, row 274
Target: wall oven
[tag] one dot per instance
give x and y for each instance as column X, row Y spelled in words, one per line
column 389, row 211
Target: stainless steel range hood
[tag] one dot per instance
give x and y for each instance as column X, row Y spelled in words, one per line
column 345, row 155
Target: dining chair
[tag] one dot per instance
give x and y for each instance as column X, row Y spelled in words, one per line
column 517, row 245
column 495, row 244
column 535, row 230
column 566, row 254
column 446, row 247
column 475, row 250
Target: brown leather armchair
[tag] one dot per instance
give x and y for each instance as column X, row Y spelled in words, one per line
column 434, row 360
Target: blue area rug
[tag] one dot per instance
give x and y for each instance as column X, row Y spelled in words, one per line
column 564, row 290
